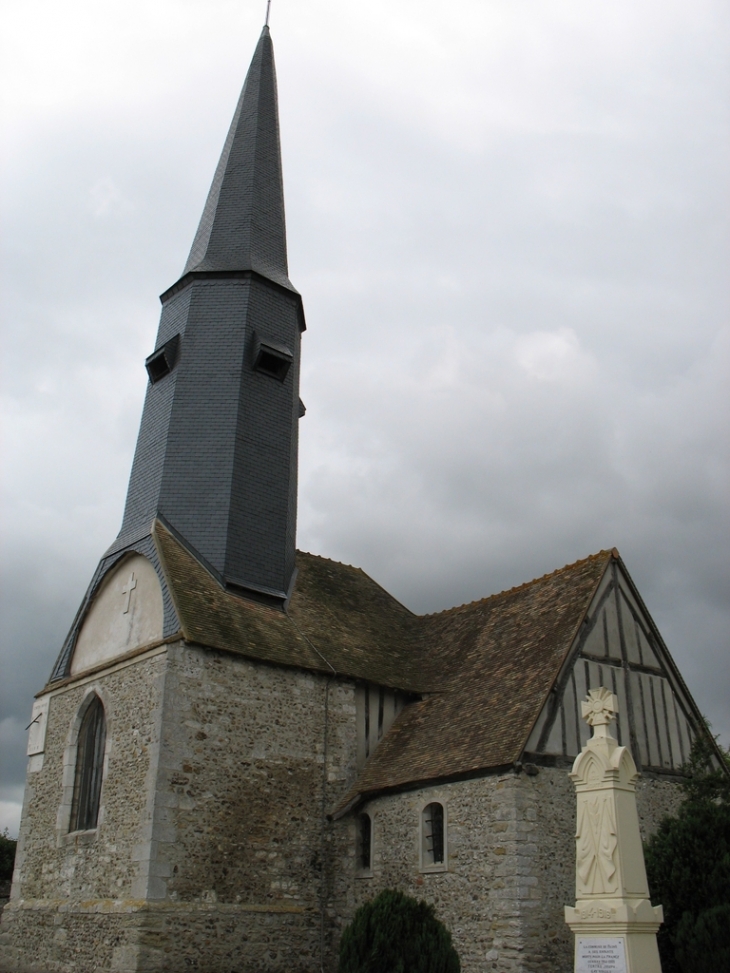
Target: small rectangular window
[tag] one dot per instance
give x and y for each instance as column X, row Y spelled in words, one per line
column 367, row 721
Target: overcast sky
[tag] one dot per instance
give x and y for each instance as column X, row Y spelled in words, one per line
column 509, row 223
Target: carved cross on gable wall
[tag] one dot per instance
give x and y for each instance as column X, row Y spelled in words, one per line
column 127, row 590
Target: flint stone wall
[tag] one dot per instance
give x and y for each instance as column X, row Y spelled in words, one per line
column 211, row 845
column 510, row 858
column 63, row 882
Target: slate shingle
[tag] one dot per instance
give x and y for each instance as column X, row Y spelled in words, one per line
column 243, row 225
column 217, row 450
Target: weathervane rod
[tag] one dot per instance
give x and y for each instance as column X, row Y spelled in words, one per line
column 268, row 8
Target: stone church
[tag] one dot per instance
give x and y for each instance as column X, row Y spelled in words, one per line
column 240, row 743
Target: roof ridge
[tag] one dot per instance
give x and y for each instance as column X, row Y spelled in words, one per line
column 605, row 554
column 343, row 564
column 352, row 567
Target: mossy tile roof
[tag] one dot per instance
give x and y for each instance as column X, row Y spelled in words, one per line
column 502, row 656
column 338, row 620
column 484, row 669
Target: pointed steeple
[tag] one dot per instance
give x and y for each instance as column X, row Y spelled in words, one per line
column 243, row 226
column 216, row 457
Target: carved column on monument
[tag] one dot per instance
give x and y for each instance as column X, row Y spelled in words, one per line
column 614, row 922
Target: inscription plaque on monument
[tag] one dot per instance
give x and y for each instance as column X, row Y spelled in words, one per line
column 600, row 955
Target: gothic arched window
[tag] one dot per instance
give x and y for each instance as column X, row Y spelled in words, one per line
column 433, row 835
column 89, row 768
column 364, row 842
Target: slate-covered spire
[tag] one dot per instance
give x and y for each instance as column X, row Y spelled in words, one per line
column 243, row 226
column 216, row 458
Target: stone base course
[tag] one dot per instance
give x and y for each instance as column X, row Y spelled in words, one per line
column 130, row 939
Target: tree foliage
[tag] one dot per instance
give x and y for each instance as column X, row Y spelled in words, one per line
column 706, row 780
column 394, row 933
column 688, row 866
column 7, row 856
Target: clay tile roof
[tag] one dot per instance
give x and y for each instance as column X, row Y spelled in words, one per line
column 338, row 619
column 500, row 657
column 485, row 669
column 212, row 616
column 360, row 629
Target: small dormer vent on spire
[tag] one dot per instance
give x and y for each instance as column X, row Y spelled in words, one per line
column 272, row 358
column 162, row 361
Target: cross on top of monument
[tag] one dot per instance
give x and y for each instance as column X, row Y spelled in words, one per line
column 600, row 707
column 127, row 590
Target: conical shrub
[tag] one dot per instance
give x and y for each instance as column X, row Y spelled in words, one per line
column 394, row 933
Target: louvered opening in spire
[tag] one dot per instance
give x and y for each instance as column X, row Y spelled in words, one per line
column 243, row 226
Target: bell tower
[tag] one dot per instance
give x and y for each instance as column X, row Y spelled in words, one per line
column 216, row 457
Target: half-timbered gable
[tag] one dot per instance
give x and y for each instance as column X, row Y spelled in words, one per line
column 619, row 646
column 502, row 680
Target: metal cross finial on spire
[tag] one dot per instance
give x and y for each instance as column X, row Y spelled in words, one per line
column 268, row 8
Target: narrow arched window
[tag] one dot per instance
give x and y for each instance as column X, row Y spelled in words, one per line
column 433, row 834
column 364, row 842
column 89, row 768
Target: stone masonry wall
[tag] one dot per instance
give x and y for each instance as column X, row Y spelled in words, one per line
column 211, row 847
column 489, row 849
column 213, row 853
column 511, row 864
column 240, row 837
column 59, row 875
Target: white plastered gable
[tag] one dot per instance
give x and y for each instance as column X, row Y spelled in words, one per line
column 125, row 613
column 619, row 647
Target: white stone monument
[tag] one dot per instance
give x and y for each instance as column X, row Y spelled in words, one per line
column 614, row 922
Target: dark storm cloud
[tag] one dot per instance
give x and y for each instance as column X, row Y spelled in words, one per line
column 510, row 235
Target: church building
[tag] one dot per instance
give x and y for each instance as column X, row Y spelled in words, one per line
column 240, row 743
